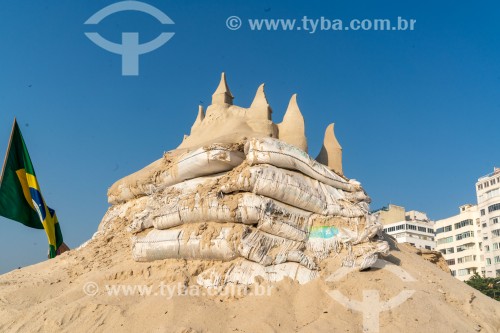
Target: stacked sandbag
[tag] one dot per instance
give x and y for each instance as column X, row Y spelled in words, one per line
column 269, row 204
column 183, row 244
column 201, row 162
column 247, row 272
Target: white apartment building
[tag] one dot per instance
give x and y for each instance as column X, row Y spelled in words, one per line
column 412, row 227
column 470, row 241
column 458, row 239
column 488, row 202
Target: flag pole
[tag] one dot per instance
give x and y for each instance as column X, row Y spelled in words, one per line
column 8, row 149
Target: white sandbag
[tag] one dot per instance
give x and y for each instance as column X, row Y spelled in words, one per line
column 267, row 249
column 267, row 180
column 323, row 240
column 271, row 216
column 338, row 194
column 283, row 155
column 204, row 161
column 356, row 196
column 247, row 272
column 171, row 244
column 201, row 162
column 285, row 221
column 364, row 255
column 240, row 208
column 293, row 189
column 170, row 196
column 362, row 248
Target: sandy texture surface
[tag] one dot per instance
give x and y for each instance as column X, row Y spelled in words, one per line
column 53, row 296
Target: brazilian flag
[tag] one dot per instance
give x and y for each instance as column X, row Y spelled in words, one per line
column 20, row 197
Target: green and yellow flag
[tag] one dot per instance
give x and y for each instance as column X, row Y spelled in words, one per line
column 20, row 196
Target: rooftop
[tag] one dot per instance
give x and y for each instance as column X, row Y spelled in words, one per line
column 496, row 171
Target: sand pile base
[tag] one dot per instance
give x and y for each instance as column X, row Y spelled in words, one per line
column 58, row 296
column 100, row 288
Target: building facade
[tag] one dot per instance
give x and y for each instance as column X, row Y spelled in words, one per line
column 488, row 202
column 458, row 239
column 470, row 241
column 412, row 227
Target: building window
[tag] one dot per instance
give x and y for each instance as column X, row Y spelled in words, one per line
column 488, row 261
column 447, row 228
column 480, row 187
column 495, row 233
column 483, row 212
column 492, row 193
column 463, row 224
column 464, row 247
column 429, row 230
column 492, row 182
column 494, row 220
column 466, row 259
column 444, row 251
column 411, row 227
column 453, row 273
column 494, row 207
column 496, row 246
column 423, row 229
column 487, row 248
column 497, row 259
column 450, row 262
column 463, row 235
column 390, row 229
column 484, row 225
column 439, row 230
column 445, row 240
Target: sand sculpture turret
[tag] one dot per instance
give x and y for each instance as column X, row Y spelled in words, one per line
column 292, row 129
column 331, row 151
column 241, row 191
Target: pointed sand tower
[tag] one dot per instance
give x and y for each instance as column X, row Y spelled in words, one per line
column 331, row 152
column 260, row 106
column 292, row 128
column 199, row 119
column 222, row 94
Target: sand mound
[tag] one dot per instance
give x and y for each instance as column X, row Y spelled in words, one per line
column 279, row 242
column 259, row 202
column 56, row 296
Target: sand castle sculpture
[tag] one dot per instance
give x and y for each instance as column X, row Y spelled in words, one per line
column 242, row 191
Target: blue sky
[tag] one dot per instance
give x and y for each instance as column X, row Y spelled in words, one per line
column 417, row 112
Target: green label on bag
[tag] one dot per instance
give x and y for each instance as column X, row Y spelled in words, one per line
column 323, row 232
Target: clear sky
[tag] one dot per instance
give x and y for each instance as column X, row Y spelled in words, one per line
column 417, row 112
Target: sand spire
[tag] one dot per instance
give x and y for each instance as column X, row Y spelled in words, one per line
column 292, row 128
column 260, row 104
column 199, row 119
column 222, row 94
column 331, row 152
